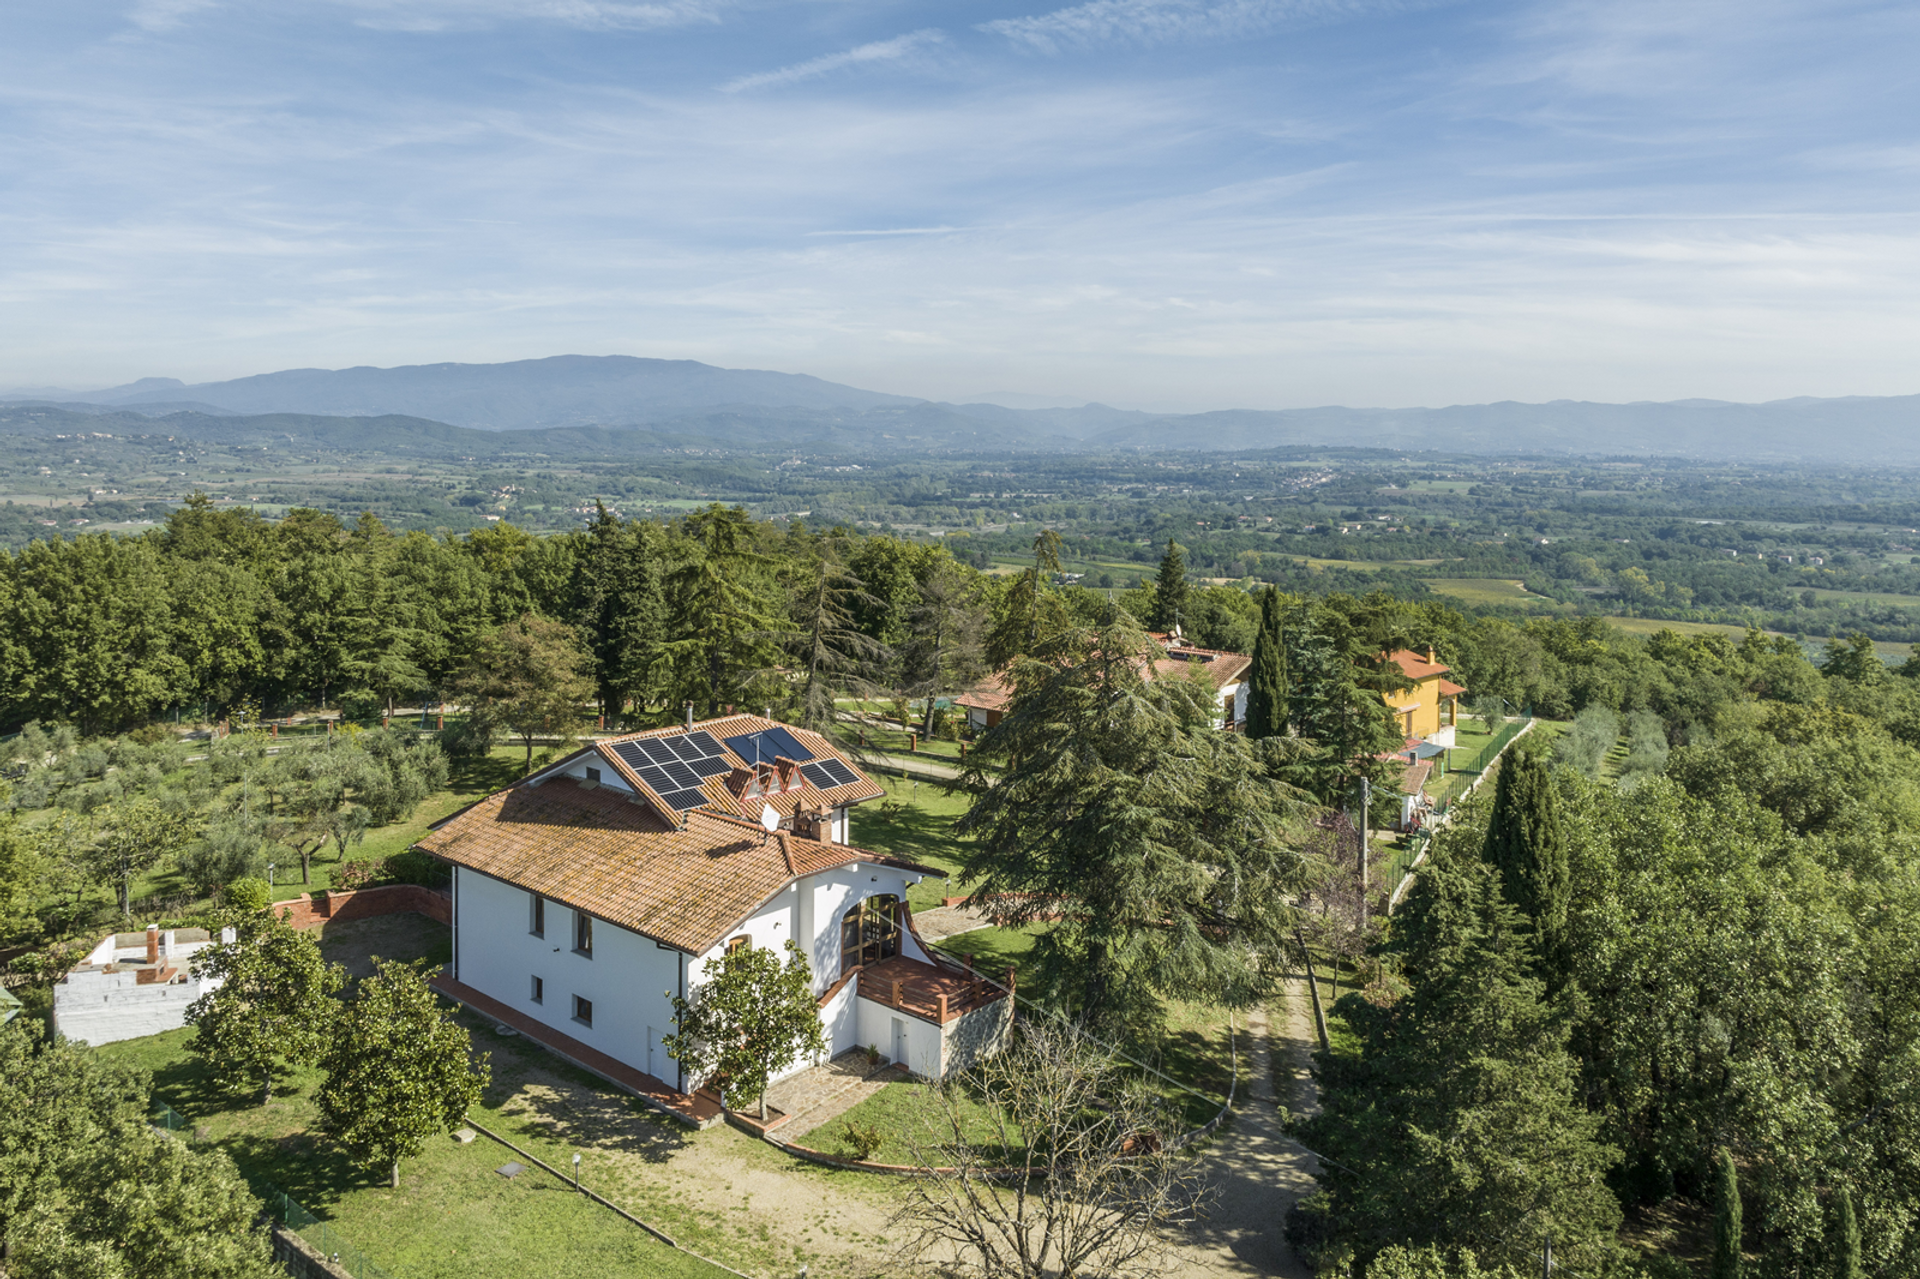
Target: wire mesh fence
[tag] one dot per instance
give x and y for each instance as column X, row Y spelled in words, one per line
column 318, row 1234
column 168, row 1119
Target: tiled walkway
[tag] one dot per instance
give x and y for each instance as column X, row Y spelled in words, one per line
column 823, row 1093
column 702, row 1109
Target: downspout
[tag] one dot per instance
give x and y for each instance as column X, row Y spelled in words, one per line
column 679, row 1068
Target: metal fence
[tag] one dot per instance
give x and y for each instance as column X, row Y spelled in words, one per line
column 167, row 1119
column 323, row 1238
column 1460, row 776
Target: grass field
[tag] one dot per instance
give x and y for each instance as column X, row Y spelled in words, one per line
column 1889, row 650
column 914, row 821
column 453, row 1215
column 1485, row 590
column 1864, row 597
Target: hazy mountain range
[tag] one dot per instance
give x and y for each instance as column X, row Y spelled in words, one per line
column 582, row 405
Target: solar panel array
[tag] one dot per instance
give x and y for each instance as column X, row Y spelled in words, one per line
column 673, row 767
column 829, row 773
column 767, row 744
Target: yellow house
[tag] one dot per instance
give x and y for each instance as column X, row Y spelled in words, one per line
column 1427, row 710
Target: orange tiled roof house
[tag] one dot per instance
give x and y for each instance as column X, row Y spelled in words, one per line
column 1427, row 711
column 590, row 892
column 986, row 702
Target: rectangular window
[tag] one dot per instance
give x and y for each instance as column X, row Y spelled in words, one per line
column 539, row 991
column 593, row 774
column 583, row 934
column 736, row 943
column 537, row 924
column 583, row 1011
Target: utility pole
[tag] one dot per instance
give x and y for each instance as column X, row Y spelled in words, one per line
column 1546, row 1261
column 1366, row 808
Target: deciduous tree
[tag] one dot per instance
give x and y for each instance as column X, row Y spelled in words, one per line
column 135, row 836
column 527, row 677
column 750, row 1019
column 273, row 1007
column 399, row 1070
column 1072, row 1175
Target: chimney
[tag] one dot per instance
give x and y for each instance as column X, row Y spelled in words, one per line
column 689, row 714
column 153, row 943
column 1431, row 659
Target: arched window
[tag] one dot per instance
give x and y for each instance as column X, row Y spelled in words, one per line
column 870, row 932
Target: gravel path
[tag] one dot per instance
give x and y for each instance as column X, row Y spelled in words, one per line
column 1256, row 1172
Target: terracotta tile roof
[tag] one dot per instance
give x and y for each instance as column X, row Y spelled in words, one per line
column 1415, row 666
column 1450, row 689
column 594, row 849
column 992, row 693
column 797, row 791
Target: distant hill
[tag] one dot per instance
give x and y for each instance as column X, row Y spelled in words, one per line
column 565, row 390
column 1853, row 429
column 575, row 405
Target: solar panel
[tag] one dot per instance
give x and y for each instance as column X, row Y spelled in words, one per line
column 840, row 773
column 632, row 756
column 703, row 740
column 680, row 775
column 817, row 775
column 767, row 744
column 681, row 800
column 680, row 748
column 711, row 767
column 656, row 778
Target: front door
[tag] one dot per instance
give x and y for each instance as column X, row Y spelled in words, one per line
column 899, row 1042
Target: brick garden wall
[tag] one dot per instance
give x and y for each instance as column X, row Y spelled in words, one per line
column 362, row 903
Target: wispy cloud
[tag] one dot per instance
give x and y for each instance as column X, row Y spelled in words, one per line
column 898, row 230
column 592, row 15
column 898, row 49
column 1149, row 22
column 162, row 15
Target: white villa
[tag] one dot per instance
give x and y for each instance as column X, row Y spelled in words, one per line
column 589, row 893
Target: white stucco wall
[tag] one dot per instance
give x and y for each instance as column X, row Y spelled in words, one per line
column 102, row 1007
column 629, row 978
column 881, row 1027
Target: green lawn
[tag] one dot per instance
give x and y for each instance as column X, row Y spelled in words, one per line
column 914, row 821
column 452, row 1217
column 903, row 1112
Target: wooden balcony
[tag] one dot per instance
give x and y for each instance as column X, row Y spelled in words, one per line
column 938, row 995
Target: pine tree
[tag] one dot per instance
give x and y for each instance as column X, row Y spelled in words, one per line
column 1846, row 1243
column 1726, row 1217
column 1170, row 591
column 1267, row 683
column 1459, row 1124
column 1158, row 844
column 1527, row 842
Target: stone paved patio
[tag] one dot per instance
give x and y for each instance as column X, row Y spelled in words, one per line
column 820, row 1094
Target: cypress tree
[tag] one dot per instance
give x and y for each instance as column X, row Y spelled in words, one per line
column 1726, row 1217
column 1267, row 682
column 1528, row 844
column 1846, row 1244
column 1170, row 591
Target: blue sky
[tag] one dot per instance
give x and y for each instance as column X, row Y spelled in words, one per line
column 1172, row 204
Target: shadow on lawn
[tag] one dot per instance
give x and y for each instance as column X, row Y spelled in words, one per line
column 549, row 1099
column 307, row 1167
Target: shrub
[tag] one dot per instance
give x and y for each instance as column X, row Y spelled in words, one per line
column 353, row 875
column 150, row 735
column 864, row 1143
column 248, row 893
